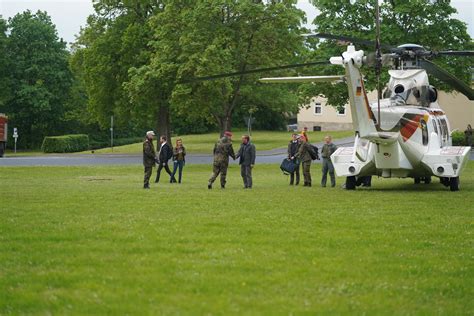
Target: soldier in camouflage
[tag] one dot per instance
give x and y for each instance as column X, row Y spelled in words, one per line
column 222, row 151
column 149, row 158
column 305, row 158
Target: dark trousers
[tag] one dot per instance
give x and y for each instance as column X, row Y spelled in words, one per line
column 297, row 173
column 178, row 164
column 219, row 168
column 246, row 173
column 328, row 167
column 146, row 179
column 167, row 169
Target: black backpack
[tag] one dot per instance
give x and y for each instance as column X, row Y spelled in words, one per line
column 313, row 152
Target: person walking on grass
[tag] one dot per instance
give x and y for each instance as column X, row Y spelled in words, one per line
column 328, row 149
column 164, row 155
column 304, row 156
column 293, row 147
column 149, row 158
column 468, row 135
column 247, row 155
column 179, row 152
column 222, row 151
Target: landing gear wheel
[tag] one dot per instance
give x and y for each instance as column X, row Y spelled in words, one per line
column 444, row 181
column 417, row 180
column 454, row 184
column 351, row 183
column 427, row 180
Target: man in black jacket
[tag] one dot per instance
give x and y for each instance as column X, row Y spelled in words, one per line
column 149, row 158
column 293, row 147
column 164, row 155
column 247, row 160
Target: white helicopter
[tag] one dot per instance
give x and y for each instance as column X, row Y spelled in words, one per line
column 405, row 134
column 413, row 136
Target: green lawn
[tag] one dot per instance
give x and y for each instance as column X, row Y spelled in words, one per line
column 204, row 143
column 89, row 240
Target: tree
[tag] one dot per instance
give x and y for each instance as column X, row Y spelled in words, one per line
column 423, row 22
column 38, row 77
column 115, row 41
column 232, row 36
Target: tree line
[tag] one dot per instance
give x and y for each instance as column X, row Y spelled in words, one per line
column 137, row 60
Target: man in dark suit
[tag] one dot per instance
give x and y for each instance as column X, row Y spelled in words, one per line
column 164, row 155
column 247, row 160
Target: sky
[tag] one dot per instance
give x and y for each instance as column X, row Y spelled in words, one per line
column 70, row 15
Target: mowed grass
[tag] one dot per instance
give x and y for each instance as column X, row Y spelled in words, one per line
column 204, row 143
column 90, row 240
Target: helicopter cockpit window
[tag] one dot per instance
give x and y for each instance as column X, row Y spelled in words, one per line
column 424, row 132
column 433, row 94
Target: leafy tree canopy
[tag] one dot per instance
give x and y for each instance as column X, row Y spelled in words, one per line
column 38, row 78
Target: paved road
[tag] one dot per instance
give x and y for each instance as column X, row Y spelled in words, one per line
column 271, row 156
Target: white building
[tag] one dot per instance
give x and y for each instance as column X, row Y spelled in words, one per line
column 322, row 117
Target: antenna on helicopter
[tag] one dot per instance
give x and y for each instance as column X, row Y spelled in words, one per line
column 378, row 58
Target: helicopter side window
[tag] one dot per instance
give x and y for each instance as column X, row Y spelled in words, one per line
column 435, row 126
column 444, row 127
column 424, row 132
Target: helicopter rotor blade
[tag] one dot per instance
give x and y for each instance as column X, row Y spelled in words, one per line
column 455, row 53
column 302, row 79
column 252, row 71
column 349, row 39
column 448, row 78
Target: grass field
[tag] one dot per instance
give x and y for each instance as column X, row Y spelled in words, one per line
column 89, row 240
column 204, row 143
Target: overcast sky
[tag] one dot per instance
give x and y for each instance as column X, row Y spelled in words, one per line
column 70, row 15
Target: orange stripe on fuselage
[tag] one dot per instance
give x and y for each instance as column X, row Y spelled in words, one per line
column 409, row 126
column 369, row 110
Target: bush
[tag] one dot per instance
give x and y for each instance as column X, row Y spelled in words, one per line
column 97, row 144
column 65, row 143
column 458, row 138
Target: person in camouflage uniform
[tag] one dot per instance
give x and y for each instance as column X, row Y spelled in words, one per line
column 222, row 151
column 149, row 158
column 328, row 149
column 305, row 158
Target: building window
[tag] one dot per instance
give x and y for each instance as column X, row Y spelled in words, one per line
column 341, row 110
column 318, row 109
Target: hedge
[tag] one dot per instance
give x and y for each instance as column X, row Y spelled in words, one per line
column 458, row 138
column 65, row 143
column 94, row 144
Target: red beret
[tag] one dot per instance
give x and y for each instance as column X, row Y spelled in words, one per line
column 227, row 133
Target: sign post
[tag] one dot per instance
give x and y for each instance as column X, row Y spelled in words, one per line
column 112, row 132
column 15, row 135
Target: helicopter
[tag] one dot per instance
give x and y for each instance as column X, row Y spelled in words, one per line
column 404, row 133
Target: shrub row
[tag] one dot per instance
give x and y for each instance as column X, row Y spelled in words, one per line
column 65, row 143
column 95, row 144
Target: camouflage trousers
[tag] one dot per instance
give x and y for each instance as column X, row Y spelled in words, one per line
column 146, row 179
column 306, row 172
column 219, row 168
